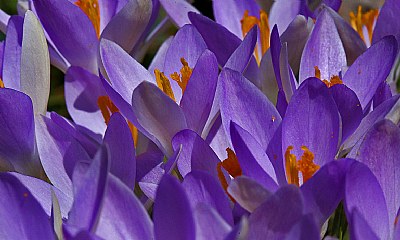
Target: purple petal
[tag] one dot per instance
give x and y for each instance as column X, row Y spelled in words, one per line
column 362, row 192
column 17, row 132
column 371, row 69
column 121, row 149
column 175, row 221
column 41, row 190
column 382, row 94
column 116, row 220
column 349, row 108
column 379, row 151
column 4, row 18
column 242, row 103
column 124, row 72
column 89, row 192
column 240, row 58
column 218, row 39
column 149, row 183
column 305, row 229
column 277, row 215
column 383, row 26
column 159, row 58
column 134, row 15
column 359, row 228
column 199, row 94
column 312, row 120
column 228, row 13
column 209, row 224
column 22, row 217
column 187, row 44
column 147, row 161
column 353, row 45
column 296, row 36
column 56, row 147
column 323, row 49
column 283, row 12
column 12, row 53
column 253, row 160
column 178, row 11
column 367, row 122
column 107, row 10
column 196, row 154
column 324, row 191
column 82, row 90
column 158, row 114
column 202, row 188
column 248, row 192
column 70, row 30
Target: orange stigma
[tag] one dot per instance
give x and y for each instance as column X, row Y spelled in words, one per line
column 366, row 19
column 164, row 84
column 183, row 78
column 248, row 22
column 1, row 83
column 231, row 165
column 329, row 83
column 92, row 10
column 107, row 108
column 305, row 166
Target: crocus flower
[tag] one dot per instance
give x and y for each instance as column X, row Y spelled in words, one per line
column 74, row 28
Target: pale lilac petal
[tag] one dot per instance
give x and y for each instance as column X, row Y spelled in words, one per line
column 158, row 114
column 323, row 49
column 178, row 11
column 126, row 27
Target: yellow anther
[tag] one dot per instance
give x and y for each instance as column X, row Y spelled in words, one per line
column 107, row 108
column 248, row 22
column 1, row 83
column 305, row 165
column 292, row 174
column 232, row 166
column 367, row 19
column 92, row 10
column 164, row 84
column 183, row 78
column 329, row 83
column 264, row 31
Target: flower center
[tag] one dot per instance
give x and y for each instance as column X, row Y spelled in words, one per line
column 107, row 108
column 329, row 83
column 92, row 10
column 182, row 79
column 305, row 165
column 248, row 22
column 367, row 19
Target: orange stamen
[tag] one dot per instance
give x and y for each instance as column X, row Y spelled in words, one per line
column 329, row 83
column 1, row 83
column 292, row 174
column 248, row 22
column 183, row 78
column 92, row 10
column 232, row 166
column 107, row 108
column 366, row 19
column 164, row 84
column 305, row 165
